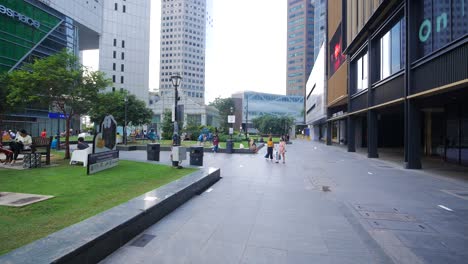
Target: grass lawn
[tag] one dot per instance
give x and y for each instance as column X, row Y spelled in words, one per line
column 77, row 196
column 75, row 138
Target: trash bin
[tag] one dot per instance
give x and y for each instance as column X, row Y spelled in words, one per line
column 229, row 146
column 196, row 155
column 152, row 151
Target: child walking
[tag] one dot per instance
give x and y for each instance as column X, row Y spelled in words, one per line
column 282, row 149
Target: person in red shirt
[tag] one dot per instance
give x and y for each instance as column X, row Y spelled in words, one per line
column 8, row 153
column 44, row 133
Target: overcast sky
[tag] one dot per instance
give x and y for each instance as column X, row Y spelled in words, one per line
column 248, row 52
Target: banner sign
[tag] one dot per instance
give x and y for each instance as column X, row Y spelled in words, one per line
column 20, row 17
column 101, row 161
column 57, row 116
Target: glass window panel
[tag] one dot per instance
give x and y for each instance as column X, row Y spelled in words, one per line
column 441, row 24
column 423, row 28
column 395, row 48
column 385, row 56
column 364, row 71
column 359, row 75
column 403, row 43
column 459, row 18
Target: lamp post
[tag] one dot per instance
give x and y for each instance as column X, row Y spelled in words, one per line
column 246, row 117
column 232, row 124
column 125, row 121
column 176, row 80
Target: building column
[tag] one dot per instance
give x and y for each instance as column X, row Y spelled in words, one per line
column 203, row 119
column 413, row 133
column 372, row 122
column 372, row 134
column 329, row 133
column 351, row 137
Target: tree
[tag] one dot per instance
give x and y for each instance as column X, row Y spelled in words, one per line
column 224, row 107
column 167, row 125
column 269, row 124
column 59, row 81
column 114, row 103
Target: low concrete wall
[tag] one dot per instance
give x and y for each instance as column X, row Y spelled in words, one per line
column 95, row 238
column 166, row 148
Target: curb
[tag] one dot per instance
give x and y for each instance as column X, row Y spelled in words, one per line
column 97, row 237
column 207, row 150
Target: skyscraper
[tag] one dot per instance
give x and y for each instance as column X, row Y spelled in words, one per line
column 320, row 14
column 124, row 45
column 183, row 40
column 300, row 54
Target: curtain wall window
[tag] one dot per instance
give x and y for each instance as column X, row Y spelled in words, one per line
column 392, row 50
column 362, row 71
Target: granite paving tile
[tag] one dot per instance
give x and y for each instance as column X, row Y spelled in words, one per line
column 263, row 255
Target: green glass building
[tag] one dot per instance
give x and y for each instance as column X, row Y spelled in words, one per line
column 30, row 29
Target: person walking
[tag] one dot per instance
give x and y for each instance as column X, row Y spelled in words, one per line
column 215, row 143
column 270, row 146
column 282, row 149
column 44, row 133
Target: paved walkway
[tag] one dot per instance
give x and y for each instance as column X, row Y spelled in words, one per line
column 262, row 212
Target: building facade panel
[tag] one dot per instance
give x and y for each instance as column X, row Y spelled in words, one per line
column 359, row 102
column 316, row 110
column 389, row 91
column 334, row 16
column 450, row 68
column 337, row 89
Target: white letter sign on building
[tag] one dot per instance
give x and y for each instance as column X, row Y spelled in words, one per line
column 15, row 15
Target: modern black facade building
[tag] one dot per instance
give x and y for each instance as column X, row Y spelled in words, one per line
column 408, row 77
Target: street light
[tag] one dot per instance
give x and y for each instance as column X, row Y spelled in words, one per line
column 232, row 124
column 246, row 117
column 176, row 80
column 125, row 121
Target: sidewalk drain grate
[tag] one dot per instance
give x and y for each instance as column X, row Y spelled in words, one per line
column 399, row 225
column 392, row 216
column 385, row 166
column 142, row 241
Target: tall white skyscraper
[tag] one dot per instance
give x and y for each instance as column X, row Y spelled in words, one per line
column 120, row 29
column 184, row 25
column 124, row 45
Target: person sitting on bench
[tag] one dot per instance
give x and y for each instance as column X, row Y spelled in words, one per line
column 8, row 153
column 82, row 144
column 23, row 141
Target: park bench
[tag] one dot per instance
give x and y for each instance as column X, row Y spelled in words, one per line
column 40, row 145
